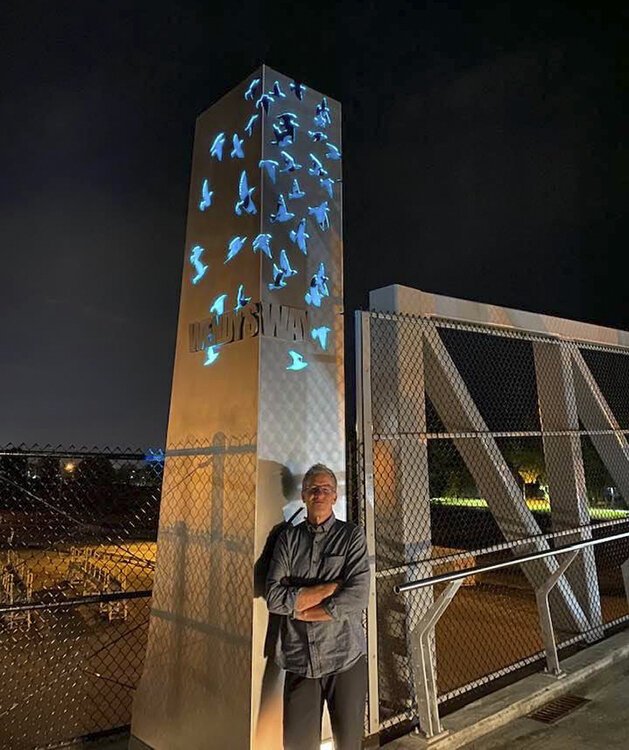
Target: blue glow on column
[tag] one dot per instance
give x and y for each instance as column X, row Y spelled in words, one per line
column 298, row 89
column 281, row 272
column 297, row 361
column 285, row 129
column 333, row 152
column 199, row 267
column 322, row 118
column 265, row 102
column 245, row 201
column 290, row 165
column 320, row 213
column 250, row 124
column 317, row 135
column 263, row 243
column 241, row 299
column 282, row 214
column 237, row 152
column 318, row 287
column 270, row 166
column 327, row 183
column 253, row 87
column 277, row 92
column 296, row 192
column 317, row 169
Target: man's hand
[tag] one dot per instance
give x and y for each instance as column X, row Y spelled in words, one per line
column 311, row 596
column 314, row 614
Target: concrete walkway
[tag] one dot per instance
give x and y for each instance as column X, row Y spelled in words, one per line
column 603, row 723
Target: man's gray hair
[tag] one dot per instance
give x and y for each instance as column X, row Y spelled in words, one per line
column 318, row 469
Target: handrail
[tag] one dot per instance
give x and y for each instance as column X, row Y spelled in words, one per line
column 447, row 577
column 114, row 596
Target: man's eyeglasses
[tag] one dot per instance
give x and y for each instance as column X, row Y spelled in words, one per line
column 320, row 489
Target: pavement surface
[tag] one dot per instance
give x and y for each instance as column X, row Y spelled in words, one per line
column 601, row 723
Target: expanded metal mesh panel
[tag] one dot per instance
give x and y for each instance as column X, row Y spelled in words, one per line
column 489, row 443
column 78, row 531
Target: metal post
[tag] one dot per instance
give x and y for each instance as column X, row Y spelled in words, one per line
column 365, row 440
column 548, row 634
column 625, row 577
column 423, row 666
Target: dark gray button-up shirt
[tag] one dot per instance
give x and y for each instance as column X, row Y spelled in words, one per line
column 307, row 555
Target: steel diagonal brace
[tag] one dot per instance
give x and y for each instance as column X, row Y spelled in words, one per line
column 546, row 622
column 422, row 662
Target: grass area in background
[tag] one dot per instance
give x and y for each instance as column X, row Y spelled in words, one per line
column 537, row 505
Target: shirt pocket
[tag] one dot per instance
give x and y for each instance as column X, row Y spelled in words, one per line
column 332, row 566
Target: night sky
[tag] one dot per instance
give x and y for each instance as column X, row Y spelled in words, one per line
column 485, row 156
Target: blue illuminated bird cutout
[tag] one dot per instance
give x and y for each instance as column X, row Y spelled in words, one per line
column 206, row 196
column 216, row 149
column 296, row 192
column 250, row 123
column 317, row 135
column 265, row 102
column 235, row 246
column 212, row 353
column 241, row 299
column 298, row 89
column 245, row 201
column 318, row 287
column 251, row 90
column 263, row 243
column 297, row 361
column 285, row 129
column 218, row 306
column 237, row 152
column 282, row 272
column 270, row 166
column 277, row 91
column 300, row 237
column 154, row 456
column 320, row 335
column 199, row 267
column 290, row 165
column 317, row 169
column 322, row 118
column 320, row 213
column 327, row 183
column 333, row 152
column 282, row 214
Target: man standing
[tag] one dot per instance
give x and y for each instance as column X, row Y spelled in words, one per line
column 319, row 581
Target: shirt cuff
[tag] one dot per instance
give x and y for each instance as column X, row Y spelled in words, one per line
column 294, row 594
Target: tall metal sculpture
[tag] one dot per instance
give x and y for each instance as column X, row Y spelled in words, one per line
column 257, row 397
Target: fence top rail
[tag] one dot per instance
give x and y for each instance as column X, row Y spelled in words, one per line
column 403, row 588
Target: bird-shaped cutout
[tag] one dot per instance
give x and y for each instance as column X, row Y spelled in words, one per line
column 235, row 246
column 241, row 299
column 206, row 196
column 216, row 149
column 322, row 116
column 277, row 91
column 245, row 201
column 317, row 135
column 298, row 89
column 218, row 306
column 320, row 335
column 199, row 267
column 318, row 287
column 333, row 152
column 317, row 169
column 282, row 214
column 265, row 102
column 263, row 243
column 251, row 90
column 212, row 353
column 250, row 124
column 285, row 129
column 297, row 362
column 327, row 183
column 237, row 152
column 290, row 165
column 296, row 192
column 270, row 166
column 320, row 213
column 300, row 237
column 281, row 272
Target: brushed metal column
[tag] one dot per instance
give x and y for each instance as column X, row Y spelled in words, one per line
column 257, row 397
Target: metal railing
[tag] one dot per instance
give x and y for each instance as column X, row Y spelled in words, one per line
column 422, row 635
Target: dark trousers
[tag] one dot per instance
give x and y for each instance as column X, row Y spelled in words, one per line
column 345, row 693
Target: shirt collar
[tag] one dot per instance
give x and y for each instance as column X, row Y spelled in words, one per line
column 322, row 527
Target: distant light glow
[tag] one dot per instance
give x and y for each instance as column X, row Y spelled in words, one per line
column 69, row 467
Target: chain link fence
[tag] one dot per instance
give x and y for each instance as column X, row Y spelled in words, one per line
column 489, row 443
column 78, row 533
